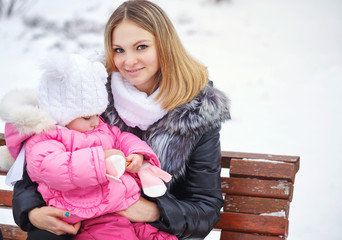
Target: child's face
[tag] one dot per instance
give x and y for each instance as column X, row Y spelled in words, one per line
column 84, row 124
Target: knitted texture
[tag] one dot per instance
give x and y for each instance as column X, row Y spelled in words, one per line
column 135, row 108
column 72, row 87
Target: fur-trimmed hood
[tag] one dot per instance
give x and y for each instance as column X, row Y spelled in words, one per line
column 176, row 134
column 19, row 109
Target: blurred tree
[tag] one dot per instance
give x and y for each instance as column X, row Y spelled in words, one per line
column 9, row 8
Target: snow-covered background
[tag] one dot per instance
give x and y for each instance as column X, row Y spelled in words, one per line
column 280, row 62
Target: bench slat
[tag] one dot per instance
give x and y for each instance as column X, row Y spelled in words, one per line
column 5, row 198
column 250, row 223
column 226, row 156
column 256, row 205
column 257, row 187
column 2, row 139
column 268, row 169
column 247, row 236
column 12, row 232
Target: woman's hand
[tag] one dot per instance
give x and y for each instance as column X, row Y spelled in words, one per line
column 141, row 211
column 48, row 218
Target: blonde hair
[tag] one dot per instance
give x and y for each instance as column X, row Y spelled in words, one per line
column 181, row 77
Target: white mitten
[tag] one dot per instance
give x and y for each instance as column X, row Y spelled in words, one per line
column 115, row 167
column 152, row 178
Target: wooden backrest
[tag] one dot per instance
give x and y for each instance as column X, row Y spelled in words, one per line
column 257, row 194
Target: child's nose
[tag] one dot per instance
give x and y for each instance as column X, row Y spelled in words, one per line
column 95, row 123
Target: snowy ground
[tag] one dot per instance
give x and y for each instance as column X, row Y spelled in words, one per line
column 279, row 61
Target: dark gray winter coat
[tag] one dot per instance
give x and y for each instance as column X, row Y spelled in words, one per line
column 186, row 140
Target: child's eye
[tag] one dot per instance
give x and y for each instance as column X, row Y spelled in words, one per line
column 86, row 118
column 118, row 50
column 142, row 47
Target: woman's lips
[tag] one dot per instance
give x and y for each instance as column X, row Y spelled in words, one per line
column 133, row 72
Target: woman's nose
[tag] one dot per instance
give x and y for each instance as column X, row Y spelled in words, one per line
column 131, row 59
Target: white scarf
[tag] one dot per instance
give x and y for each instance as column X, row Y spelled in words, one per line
column 135, row 108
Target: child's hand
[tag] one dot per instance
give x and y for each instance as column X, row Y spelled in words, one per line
column 134, row 162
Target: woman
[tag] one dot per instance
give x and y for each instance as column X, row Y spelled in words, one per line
column 161, row 94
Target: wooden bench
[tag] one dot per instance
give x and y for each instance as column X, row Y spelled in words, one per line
column 257, row 194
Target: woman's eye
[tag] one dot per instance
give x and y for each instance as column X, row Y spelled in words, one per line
column 141, row 47
column 118, row 50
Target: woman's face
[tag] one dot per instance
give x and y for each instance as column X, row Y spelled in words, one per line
column 135, row 55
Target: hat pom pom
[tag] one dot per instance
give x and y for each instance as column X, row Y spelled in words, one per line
column 58, row 67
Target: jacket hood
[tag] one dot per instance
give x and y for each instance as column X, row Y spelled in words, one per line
column 19, row 109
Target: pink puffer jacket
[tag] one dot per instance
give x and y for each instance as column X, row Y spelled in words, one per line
column 70, row 170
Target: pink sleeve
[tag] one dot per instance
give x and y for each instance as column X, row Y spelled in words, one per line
column 48, row 162
column 128, row 143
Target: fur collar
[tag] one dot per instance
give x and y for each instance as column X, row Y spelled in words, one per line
column 206, row 111
column 20, row 107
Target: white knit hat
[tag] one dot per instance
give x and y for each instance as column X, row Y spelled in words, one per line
column 72, row 87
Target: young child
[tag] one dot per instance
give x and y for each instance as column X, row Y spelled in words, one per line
column 79, row 162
